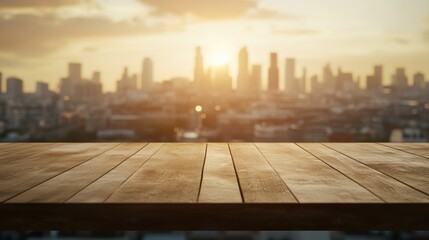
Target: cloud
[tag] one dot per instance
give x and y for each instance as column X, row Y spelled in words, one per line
column 401, row 41
column 202, row 9
column 296, row 32
column 4, row 4
column 265, row 13
column 37, row 35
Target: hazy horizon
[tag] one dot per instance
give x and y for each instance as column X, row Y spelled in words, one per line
column 42, row 37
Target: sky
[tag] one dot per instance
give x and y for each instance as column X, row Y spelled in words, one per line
column 38, row 38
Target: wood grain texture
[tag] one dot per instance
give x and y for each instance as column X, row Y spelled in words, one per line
column 190, row 186
column 26, row 151
column 310, row 179
column 258, row 180
column 421, row 149
column 173, row 174
column 22, row 174
column 102, row 188
column 385, row 187
column 219, row 182
column 63, row 186
column 407, row 168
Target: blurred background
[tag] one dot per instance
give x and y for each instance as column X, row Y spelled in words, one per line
column 202, row 70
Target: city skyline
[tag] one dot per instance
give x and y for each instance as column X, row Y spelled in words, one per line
column 106, row 36
column 281, row 74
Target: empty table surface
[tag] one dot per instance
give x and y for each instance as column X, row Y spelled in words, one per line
column 167, row 186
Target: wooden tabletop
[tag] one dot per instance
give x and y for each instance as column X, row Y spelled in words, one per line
column 169, row 186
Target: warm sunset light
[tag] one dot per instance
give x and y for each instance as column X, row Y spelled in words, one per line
column 219, row 59
column 149, row 119
column 198, row 108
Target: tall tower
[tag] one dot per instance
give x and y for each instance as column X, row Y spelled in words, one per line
column 328, row 79
column 273, row 73
column 400, row 80
column 199, row 69
column 243, row 71
column 147, row 74
column 374, row 83
column 291, row 83
column 14, row 88
column 75, row 72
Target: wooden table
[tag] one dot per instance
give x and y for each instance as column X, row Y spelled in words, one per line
column 189, row 186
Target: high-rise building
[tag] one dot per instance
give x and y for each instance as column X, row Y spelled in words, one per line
column 291, row 83
column 127, row 83
column 273, row 73
column 199, row 69
column 68, row 84
column 96, row 77
column 75, row 71
column 400, row 80
column 328, row 79
column 419, row 81
column 243, row 70
column 42, row 89
column 345, row 82
column 14, row 88
column 256, row 78
column 374, row 83
column 147, row 74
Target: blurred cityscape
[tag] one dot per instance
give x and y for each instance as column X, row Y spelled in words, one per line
column 215, row 106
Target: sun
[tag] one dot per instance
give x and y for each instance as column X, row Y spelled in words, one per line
column 219, row 59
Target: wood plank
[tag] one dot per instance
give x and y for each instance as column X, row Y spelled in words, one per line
column 30, row 149
column 310, row 179
column 65, row 185
column 173, row 174
column 219, row 182
column 385, row 187
column 258, row 181
column 103, row 187
column 421, row 149
column 407, row 168
column 25, row 173
column 14, row 147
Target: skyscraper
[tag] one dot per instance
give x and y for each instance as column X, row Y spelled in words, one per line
column 374, row 83
column 68, row 84
column 256, row 78
column 328, row 79
column 14, row 88
column 42, row 89
column 273, row 73
column 400, row 80
column 243, row 71
column 291, row 83
column 75, row 71
column 96, row 77
column 126, row 83
column 419, row 81
column 199, row 69
column 147, row 74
